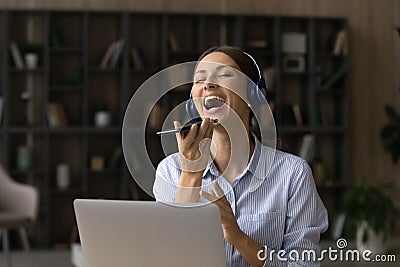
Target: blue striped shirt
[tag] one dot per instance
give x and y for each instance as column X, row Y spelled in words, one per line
column 276, row 204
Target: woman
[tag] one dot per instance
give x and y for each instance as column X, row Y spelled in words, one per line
column 283, row 212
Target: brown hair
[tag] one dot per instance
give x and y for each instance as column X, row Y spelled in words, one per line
column 244, row 62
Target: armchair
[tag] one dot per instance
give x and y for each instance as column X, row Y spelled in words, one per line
column 18, row 209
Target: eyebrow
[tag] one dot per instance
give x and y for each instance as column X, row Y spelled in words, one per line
column 217, row 68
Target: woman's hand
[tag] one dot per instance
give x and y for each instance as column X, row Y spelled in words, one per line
column 230, row 227
column 194, row 148
column 247, row 247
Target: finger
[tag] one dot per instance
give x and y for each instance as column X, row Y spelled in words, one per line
column 217, row 189
column 209, row 131
column 179, row 136
column 190, row 137
column 177, row 124
column 220, row 194
column 201, row 135
column 203, row 128
column 210, row 197
column 224, row 207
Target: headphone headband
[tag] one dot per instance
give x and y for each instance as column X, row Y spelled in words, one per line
column 256, row 65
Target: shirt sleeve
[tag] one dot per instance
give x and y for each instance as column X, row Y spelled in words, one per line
column 306, row 219
column 165, row 185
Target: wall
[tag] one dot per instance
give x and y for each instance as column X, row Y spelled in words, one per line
column 375, row 58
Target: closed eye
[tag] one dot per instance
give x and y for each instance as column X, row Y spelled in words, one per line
column 199, row 79
column 225, row 75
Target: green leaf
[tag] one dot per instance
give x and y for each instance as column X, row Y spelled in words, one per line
column 391, row 113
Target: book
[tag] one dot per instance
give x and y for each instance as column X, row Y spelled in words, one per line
column 56, row 115
column 334, row 78
column 270, row 77
column 16, row 55
column 115, row 160
column 117, row 52
column 1, row 108
column 97, row 163
column 297, row 114
column 345, row 48
column 320, row 171
column 52, row 115
column 340, row 41
column 307, row 147
column 62, row 115
column 257, row 43
column 107, row 55
column 173, row 43
column 138, row 59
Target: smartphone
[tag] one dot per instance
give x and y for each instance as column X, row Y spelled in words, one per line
column 184, row 128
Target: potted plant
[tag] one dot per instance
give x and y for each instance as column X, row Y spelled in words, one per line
column 371, row 214
column 390, row 134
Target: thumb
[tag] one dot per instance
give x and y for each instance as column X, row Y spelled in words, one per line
column 179, row 136
column 177, row 124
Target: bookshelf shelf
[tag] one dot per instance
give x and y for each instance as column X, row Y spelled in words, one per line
column 328, row 55
column 26, row 71
column 69, row 74
column 97, row 70
column 66, row 49
column 17, row 172
column 97, row 130
column 146, row 71
column 301, row 74
column 25, row 129
column 69, row 191
column 65, row 130
column 104, row 172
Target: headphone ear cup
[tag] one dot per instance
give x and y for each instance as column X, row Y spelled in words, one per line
column 191, row 109
column 252, row 94
column 262, row 90
column 257, row 93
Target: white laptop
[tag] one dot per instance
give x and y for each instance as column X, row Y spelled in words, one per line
column 144, row 233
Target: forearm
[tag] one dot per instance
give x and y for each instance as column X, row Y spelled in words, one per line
column 249, row 249
column 189, row 187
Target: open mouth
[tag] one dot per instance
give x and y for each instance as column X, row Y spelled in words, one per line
column 211, row 102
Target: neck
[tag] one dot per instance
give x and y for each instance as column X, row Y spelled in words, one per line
column 228, row 152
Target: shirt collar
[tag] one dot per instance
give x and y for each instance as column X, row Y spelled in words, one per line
column 211, row 168
column 256, row 166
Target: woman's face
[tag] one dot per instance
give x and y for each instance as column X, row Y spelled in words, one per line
column 217, row 85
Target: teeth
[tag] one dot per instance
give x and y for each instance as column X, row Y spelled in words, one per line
column 214, row 97
column 213, row 102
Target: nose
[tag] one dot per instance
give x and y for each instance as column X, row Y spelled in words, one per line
column 209, row 85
